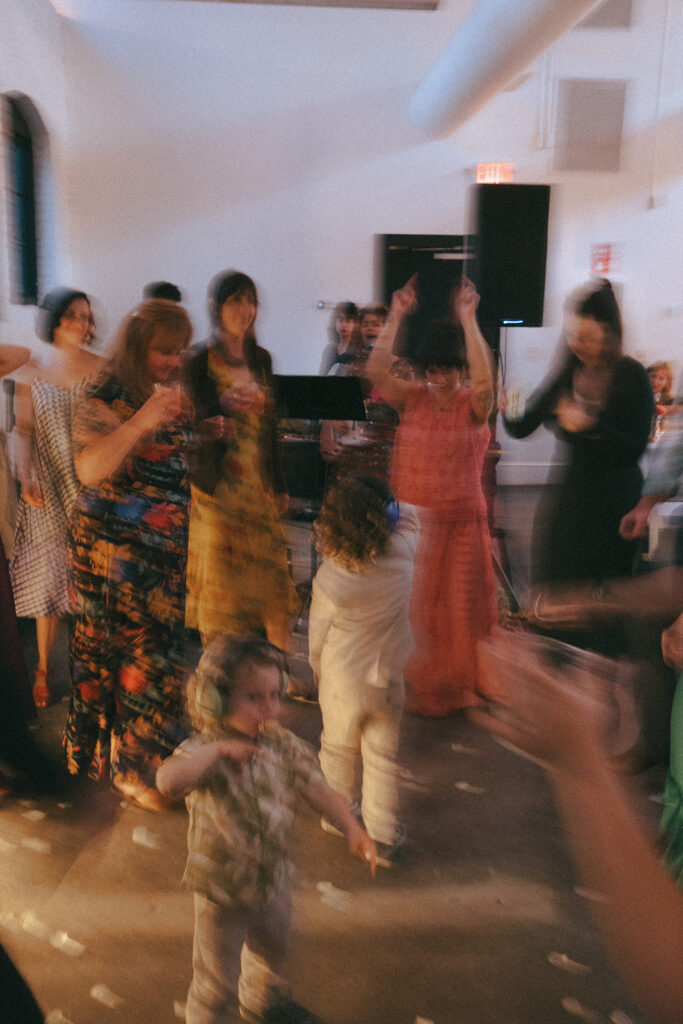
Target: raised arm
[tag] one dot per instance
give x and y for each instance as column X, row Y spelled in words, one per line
column 378, row 366
column 479, row 358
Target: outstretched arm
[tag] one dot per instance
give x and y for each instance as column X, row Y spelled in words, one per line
column 323, row 799
column 641, row 920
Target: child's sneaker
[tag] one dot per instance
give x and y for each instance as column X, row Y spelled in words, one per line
column 285, row 1011
column 389, row 853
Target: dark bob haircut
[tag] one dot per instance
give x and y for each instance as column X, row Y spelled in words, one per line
column 53, row 307
column 442, row 345
column 229, row 284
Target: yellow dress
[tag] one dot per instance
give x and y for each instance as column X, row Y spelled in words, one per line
column 238, row 581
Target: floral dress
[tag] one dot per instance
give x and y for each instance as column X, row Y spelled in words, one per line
column 238, row 581
column 127, row 562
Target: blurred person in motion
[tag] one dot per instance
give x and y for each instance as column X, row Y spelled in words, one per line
column 359, row 639
column 345, row 344
column 242, row 774
column 639, row 911
column 371, row 320
column 647, row 604
column 599, row 402
column 438, row 457
column 364, row 447
column 661, row 380
column 238, row 577
column 47, row 388
column 128, row 556
column 18, row 749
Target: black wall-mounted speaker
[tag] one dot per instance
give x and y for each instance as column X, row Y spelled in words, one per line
column 511, row 246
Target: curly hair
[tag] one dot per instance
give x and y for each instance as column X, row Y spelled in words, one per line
column 218, row 668
column 352, row 527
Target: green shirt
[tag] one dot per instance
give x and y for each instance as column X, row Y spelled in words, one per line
column 241, row 821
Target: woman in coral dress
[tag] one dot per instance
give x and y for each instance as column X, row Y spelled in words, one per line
column 128, row 554
column 440, row 447
column 238, row 578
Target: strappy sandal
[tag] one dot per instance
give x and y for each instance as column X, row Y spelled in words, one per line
column 42, row 694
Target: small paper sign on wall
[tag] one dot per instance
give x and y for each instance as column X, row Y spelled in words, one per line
column 604, row 258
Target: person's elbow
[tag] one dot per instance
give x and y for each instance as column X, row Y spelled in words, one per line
column 168, row 782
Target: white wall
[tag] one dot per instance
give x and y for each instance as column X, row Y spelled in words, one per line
column 277, row 140
column 31, row 63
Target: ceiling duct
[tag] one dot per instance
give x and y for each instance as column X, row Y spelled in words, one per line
column 497, row 40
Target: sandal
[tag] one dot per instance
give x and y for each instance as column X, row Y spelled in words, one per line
column 42, row 695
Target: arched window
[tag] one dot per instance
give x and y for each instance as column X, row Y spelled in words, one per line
column 25, row 152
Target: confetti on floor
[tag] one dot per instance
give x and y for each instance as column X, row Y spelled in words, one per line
column 103, row 994
column 37, row 845
column 333, row 897
column 143, row 837
column 592, row 894
column 577, row 1009
column 57, row 1017
column 461, row 748
column 34, row 815
column 565, row 963
column 466, row 787
column 33, row 925
column 62, row 942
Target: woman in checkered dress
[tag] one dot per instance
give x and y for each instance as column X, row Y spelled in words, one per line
column 46, row 389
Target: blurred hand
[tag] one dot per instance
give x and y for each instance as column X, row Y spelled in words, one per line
column 244, row 398
column 465, row 300
column 672, row 644
column 212, row 429
column 545, row 717
column 634, row 523
column 330, row 433
column 404, row 301
column 572, row 417
column 237, row 752
column 361, row 845
column 165, row 405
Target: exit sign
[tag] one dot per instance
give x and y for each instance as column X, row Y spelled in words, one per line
column 495, row 174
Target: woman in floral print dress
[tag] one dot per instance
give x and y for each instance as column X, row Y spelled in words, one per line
column 127, row 558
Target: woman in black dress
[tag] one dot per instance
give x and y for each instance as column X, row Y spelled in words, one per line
column 600, row 404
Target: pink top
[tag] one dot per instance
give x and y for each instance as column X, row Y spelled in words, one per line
column 439, row 456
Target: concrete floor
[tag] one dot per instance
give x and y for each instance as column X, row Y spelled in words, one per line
column 459, row 932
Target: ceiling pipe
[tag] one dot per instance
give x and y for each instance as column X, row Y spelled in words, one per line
column 497, row 40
